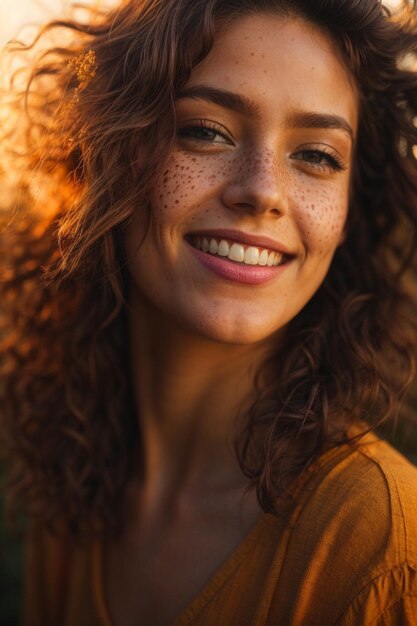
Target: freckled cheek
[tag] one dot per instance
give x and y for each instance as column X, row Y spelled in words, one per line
column 185, row 184
column 321, row 218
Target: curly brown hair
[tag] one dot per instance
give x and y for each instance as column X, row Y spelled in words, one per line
column 96, row 119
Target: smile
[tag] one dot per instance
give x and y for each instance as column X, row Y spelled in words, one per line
column 238, row 252
column 234, row 256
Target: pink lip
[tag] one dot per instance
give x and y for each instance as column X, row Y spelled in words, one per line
column 237, row 272
column 246, row 238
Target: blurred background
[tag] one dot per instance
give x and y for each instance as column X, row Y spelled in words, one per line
column 20, row 18
column 14, row 14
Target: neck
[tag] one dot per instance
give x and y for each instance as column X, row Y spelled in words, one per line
column 189, row 393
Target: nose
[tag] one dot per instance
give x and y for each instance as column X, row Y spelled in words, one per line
column 257, row 186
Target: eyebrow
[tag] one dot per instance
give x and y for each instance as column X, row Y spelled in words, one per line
column 227, row 99
column 245, row 106
column 308, row 119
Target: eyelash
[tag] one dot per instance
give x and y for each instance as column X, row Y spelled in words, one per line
column 333, row 161
column 186, row 131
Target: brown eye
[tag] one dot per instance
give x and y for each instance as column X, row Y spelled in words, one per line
column 201, row 133
column 204, row 132
column 312, row 156
column 320, row 158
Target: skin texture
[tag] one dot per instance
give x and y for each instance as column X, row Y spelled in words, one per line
column 197, row 339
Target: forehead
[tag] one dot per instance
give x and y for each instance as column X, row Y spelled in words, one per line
column 280, row 62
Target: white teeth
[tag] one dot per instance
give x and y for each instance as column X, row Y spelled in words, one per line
column 263, row 257
column 214, row 246
column 236, row 253
column 223, row 248
column 251, row 256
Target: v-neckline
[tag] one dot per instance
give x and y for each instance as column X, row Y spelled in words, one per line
column 202, row 597
column 231, row 562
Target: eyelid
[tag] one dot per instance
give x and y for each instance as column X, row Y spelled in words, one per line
column 327, row 151
column 206, row 123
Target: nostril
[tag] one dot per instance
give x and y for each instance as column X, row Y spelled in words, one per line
column 254, row 198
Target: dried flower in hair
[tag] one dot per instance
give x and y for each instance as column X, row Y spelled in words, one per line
column 84, row 67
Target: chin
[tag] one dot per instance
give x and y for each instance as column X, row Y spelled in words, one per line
column 239, row 330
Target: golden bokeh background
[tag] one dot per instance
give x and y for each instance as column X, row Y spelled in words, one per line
column 16, row 14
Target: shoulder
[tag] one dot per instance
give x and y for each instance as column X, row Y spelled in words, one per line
column 352, row 541
column 394, row 480
column 387, row 496
column 370, row 488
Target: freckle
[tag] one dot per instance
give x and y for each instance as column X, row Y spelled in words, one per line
column 252, row 54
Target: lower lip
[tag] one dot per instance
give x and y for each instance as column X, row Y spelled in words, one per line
column 238, row 272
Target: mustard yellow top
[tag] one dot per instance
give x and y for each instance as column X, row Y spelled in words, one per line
column 347, row 556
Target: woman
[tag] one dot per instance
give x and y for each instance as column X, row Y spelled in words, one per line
column 211, row 311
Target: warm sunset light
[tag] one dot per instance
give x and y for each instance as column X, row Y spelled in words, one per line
column 16, row 13
column 208, row 312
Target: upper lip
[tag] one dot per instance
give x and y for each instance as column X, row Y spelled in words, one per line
column 258, row 241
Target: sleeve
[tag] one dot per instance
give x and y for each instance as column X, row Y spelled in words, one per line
column 388, row 600
column 402, row 613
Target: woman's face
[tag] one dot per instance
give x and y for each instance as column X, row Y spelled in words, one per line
column 260, row 175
